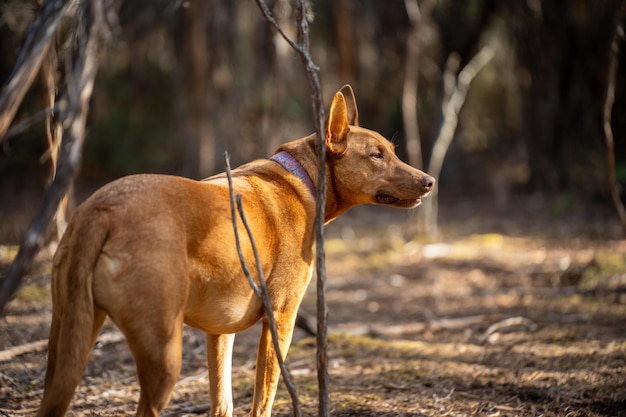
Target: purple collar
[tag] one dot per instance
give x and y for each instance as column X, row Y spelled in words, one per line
column 292, row 165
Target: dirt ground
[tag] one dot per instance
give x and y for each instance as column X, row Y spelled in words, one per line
column 495, row 318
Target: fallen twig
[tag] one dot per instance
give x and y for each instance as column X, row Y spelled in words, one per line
column 190, row 409
column 456, row 323
column 11, row 353
column 41, row 345
column 28, row 411
column 507, row 324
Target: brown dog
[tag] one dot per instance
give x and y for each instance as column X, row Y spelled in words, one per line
column 153, row 252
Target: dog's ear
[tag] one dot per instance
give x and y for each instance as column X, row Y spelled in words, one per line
column 353, row 112
column 337, row 126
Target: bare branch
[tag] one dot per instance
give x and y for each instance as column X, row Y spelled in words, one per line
column 459, row 88
column 261, row 291
column 23, row 125
column 80, row 79
column 302, row 48
column 38, row 40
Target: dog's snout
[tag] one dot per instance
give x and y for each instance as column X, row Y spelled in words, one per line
column 427, row 182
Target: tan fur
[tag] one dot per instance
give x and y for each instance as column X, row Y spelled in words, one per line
column 153, row 252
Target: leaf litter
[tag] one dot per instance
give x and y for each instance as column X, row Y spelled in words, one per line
column 470, row 325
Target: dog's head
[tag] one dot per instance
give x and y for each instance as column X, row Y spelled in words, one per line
column 364, row 164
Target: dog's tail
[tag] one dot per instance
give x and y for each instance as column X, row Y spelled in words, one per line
column 76, row 321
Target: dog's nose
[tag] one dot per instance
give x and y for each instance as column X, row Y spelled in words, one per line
column 427, row 182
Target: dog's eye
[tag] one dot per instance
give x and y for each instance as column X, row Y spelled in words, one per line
column 377, row 155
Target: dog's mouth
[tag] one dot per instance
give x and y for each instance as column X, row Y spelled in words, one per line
column 397, row 202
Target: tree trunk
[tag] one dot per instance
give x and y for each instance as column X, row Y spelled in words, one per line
column 83, row 66
column 199, row 155
column 346, row 46
column 418, row 18
column 448, row 128
column 607, row 110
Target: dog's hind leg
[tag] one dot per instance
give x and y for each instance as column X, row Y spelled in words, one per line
column 157, row 349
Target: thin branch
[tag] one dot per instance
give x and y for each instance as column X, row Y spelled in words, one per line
column 233, row 214
column 25, row 124
column 302, row 48
column 54, row 130
column 312, row 70
column 606, row 113
column 38, row 40
column 261, row 291
column 452, row 107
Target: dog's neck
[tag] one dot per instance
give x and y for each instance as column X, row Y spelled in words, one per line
column 306, row 156
column 291, row 164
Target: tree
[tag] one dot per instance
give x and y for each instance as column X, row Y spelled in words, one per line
column 420, row 20
column 82, row 69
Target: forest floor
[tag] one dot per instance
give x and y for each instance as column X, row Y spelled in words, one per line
column 498, row 317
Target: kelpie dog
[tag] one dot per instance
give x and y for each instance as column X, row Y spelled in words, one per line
column 153, row 252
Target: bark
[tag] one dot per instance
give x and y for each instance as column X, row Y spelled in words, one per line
column 38, row 39
column 82, row 69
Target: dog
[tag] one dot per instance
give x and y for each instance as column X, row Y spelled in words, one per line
column 154, row 251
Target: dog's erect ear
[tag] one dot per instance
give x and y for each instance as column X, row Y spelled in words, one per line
column 353, row 112
column 337, row 126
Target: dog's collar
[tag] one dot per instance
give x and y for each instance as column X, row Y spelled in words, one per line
column 292, row 165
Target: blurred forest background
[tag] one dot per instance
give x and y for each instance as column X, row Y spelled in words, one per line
column 183, row 81
column 517, row 307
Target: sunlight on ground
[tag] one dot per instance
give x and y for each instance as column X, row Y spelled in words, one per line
column 477, row 324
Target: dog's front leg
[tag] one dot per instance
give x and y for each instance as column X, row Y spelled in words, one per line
column 219, row 350
column 267, row 369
